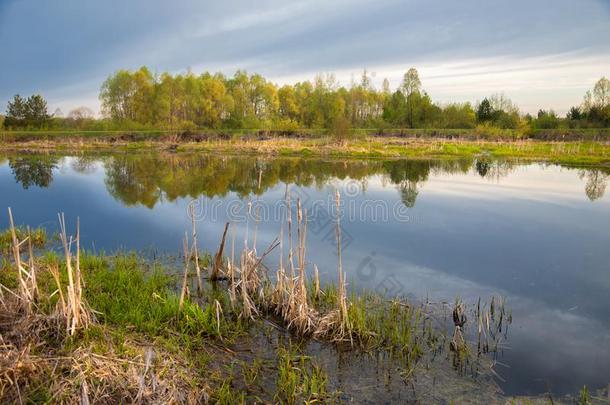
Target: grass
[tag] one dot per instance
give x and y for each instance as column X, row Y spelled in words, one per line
column 300, row 379
column 557, row 152
column 583, row 152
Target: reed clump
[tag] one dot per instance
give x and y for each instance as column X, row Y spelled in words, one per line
column 309, row 310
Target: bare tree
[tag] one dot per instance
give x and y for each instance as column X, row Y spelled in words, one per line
column 80, row 113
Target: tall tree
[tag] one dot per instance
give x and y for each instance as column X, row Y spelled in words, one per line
column 16, row 112
column 601, row 93
column 411, row 82
column 411, row 86
column 485, row 111
column 36, row 112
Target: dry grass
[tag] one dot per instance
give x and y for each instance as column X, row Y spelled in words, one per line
column 76, row 311
column 39, row 361
column 36, row 366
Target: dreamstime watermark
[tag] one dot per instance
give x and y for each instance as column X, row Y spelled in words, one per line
column 319, row 211
column 322, row 217
column 385, row 284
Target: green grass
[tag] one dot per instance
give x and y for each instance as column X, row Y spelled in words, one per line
column 401, row 329
column 299, row 379
column 130, row 293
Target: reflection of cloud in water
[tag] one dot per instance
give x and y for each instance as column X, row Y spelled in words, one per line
column 543, row 342
column 551, row 184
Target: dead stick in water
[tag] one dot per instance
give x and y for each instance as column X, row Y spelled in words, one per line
column 184, row 291
column 219, row 255
column 196, row 249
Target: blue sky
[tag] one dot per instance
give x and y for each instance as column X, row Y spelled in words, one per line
column 540, row 53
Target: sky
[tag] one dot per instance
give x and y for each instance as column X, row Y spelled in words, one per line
column 540, row 53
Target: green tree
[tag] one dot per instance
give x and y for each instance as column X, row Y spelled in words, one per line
column 574, row 114
column 411, row 86
column 410, row 82
column 288, row 104
column 16, row 112
column 458, row 115
column 601, row 93
column 216, row 102
column 142, row 98
column 36, row 111
column 116, row 96
column 546, row 120
column 484, row 111
column 596, row 104
column 394, row 110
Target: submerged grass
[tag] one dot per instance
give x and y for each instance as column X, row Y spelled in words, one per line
column 300, row 379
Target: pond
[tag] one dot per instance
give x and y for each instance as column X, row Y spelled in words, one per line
column 536, row 234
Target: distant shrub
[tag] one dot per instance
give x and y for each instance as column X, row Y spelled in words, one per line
column 188, row 126
column 341, row 129
column 286, row 125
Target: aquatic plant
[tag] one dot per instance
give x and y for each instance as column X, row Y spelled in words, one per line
column 299, row 379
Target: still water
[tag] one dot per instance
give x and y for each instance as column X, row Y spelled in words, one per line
column 536, row 234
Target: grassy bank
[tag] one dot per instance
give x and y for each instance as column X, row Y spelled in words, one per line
column 556, row 152
column 577, row 152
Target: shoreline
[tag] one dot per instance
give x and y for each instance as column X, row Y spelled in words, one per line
column 565, row 152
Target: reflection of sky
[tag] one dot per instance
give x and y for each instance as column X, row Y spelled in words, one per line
column 532, row 236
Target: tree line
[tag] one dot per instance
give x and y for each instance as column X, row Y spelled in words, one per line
column 141, row 100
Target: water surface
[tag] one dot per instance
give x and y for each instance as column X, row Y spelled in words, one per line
column 536, row 234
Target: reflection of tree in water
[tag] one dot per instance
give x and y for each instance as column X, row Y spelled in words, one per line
column 493, row 169
column 147, row 179
column 84, row 164
column 595, row 187
column 482, row 167
column 33, row 170
column 406, row 174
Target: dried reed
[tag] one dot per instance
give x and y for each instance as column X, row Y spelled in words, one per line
column 196, row 249
column 184, row 291
column 218, row 258
column 336, row 324
column 26, row 279
column 77, row 314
